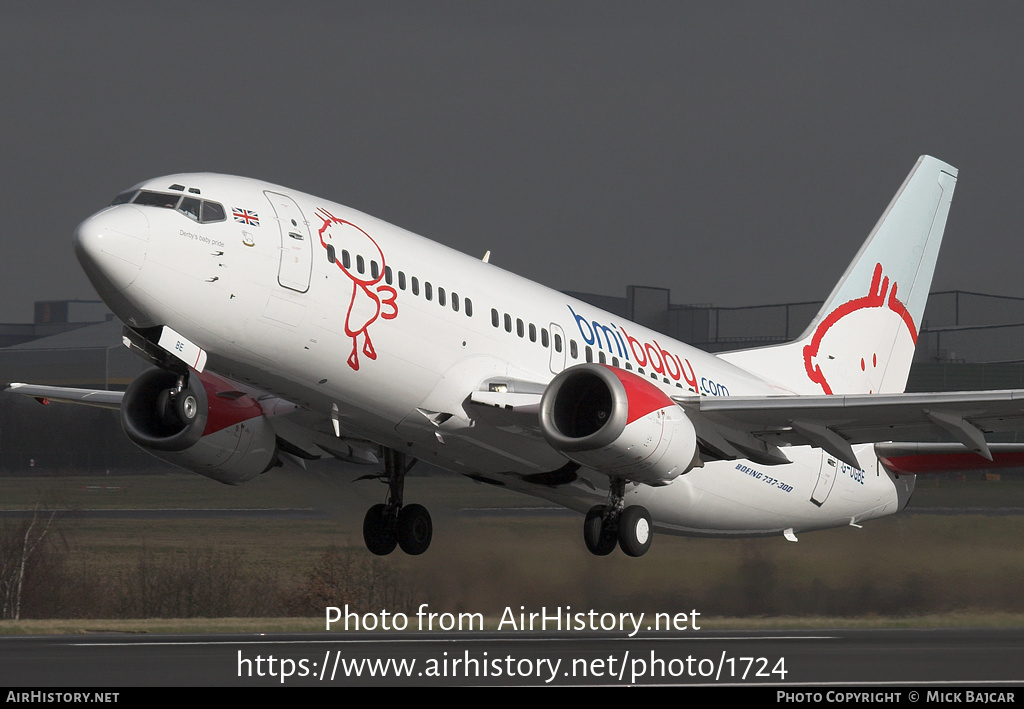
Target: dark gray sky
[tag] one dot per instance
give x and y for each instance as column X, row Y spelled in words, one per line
column 737, row 153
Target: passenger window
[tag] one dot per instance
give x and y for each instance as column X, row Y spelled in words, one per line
column 533, row 332
column 374, row 270
column 601, row 357
column 574, row 351
column 428, row 290
column 455, row 302
column 387, row 275
column 401, row 280
column 440, row 296
column 508, row 323
column 360, row 264
column 590, row 354
column 558, row 342
column 544, row 336
column 494, row 317
column 346, row 260
column 415, row 286
column 469, row 308
column 520, row 330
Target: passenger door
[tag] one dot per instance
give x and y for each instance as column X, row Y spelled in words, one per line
column 296, row 243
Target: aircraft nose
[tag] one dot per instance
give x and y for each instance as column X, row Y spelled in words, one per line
column 111, row 246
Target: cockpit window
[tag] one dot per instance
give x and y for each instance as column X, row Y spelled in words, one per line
column 190, row 207
column 156, row 199
column 123, row 198
column 213, row 212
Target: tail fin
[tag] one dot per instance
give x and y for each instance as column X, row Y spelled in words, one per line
column 863, row 339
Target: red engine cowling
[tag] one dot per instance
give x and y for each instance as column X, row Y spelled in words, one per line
column 206, row 426
column 618, row 423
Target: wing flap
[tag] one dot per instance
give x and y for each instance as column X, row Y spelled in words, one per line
column 312, row 437
column 836, row 423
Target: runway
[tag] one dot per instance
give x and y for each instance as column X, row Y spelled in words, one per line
column 312, row 513
column 174, row 513
column 900, row 660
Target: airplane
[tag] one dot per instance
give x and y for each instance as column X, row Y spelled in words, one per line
column 284, row 328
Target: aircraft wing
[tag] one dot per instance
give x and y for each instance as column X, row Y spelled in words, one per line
column 66, row 395
column 757, row 427
column 302, row 433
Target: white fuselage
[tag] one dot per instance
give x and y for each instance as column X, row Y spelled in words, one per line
column 399, row 338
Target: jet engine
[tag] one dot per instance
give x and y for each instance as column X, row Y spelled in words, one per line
column 618, row 423
column 199, row 422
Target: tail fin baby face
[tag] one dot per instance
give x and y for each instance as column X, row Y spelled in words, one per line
column 853, row 345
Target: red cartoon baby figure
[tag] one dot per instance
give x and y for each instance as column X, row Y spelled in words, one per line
column 854, row 345
column 369, row 300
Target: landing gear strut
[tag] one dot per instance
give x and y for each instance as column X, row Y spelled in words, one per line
column 177, row 406
column 607, row 524
column 389, row 525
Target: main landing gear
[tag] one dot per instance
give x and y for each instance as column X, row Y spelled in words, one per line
column 629, row 527
column 389, row 525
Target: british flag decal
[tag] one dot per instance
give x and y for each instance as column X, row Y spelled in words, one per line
column 246, row 216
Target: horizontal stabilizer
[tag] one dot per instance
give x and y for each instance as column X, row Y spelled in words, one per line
column 924, row 458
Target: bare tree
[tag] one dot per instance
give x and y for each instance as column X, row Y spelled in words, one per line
column 17, row 550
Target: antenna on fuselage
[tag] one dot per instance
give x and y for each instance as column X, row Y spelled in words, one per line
column 487, row 256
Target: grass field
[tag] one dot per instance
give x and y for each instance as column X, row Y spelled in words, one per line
column 910, row 568
column 330, row 490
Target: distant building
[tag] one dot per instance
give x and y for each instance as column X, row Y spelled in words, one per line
column 73, row 343
column 70, row 343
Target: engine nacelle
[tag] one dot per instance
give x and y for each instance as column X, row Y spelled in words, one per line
column 206, row 426
column 618, row 423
